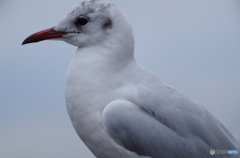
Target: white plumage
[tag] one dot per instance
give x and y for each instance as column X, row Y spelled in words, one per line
column 119, row 108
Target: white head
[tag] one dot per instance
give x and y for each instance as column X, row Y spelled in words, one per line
column 89, row 23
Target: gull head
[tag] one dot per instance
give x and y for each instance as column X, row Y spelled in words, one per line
column 88, row 23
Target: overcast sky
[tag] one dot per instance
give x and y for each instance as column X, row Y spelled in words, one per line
column 192, row 45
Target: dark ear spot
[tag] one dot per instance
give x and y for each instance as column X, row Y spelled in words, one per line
column 107, row 24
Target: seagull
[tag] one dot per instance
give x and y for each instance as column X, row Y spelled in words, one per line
column 119, row 108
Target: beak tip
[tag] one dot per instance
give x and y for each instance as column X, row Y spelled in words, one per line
column 24, row 42
column 27, row 41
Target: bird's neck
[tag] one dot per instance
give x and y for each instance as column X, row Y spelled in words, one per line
column 97, row 66
column 109, row 56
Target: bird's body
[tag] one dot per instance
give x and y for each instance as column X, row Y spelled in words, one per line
column 119, row 108
column 96, row 100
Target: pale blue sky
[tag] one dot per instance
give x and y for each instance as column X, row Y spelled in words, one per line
column 193, row 46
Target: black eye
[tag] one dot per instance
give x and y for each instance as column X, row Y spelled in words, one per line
column 81, row 21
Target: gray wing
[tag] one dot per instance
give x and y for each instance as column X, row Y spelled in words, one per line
column 165, row 132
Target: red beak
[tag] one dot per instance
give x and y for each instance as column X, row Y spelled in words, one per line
column 43, row 35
